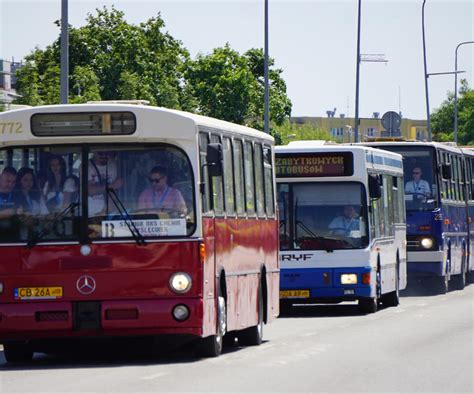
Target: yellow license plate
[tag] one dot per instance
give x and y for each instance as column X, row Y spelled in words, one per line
column 38, row 293
column 294, row 294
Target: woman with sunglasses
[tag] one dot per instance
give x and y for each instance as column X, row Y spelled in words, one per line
column 159, row 196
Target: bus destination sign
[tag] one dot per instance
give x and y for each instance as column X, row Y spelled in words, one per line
column 314, row 164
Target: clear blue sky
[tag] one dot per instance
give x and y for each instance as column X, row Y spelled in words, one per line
column 314, row 42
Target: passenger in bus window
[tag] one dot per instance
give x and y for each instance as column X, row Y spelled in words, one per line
column 53, row 188
column 103, row 173
column 345, row 223
column 8, row 204
column 160, row 196
column 8, row 207
column 417, row 185
column 71, row 190
column 28, row 195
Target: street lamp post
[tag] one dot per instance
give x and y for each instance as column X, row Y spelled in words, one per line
column 356, row 120
column 266, row 115
column 456, row 89
column 64, row 52
column 428, row 120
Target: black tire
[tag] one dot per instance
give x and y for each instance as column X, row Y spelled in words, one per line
column 212, row 345
column 371, row 304
column 393, row 298
column 470, row 277
column 17, row 352
column 368, row 305
column 285, row 307
column 441, row 284
column 253, row 336
column 459, row 281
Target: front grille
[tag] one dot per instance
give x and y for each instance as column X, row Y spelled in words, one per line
column 414, row 245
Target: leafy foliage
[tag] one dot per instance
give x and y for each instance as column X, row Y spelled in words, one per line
column 110, row 60
column 287, row 132
column 442, row 119
column 113, row 60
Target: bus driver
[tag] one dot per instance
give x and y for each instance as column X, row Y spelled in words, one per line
column 159, row 196
column 417, row 185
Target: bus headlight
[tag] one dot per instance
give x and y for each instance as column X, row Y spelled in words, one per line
column 180, row 282
column 349, row 279
column 427, row 243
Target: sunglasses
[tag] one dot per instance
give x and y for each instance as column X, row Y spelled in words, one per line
column 416, row 173
column 155, row 180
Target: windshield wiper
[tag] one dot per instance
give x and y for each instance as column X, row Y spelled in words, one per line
column 46, row 229
column 137, row 236
column 316, row 237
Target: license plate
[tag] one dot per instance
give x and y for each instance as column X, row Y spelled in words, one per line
column 294, row 294
column 38, row 293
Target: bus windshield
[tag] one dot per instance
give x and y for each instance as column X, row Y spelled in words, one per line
column 322, row 216
column 131, row 189
column 421, row 191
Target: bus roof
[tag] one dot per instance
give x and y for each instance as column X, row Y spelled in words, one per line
column 372, row 157
column 450, row 146
column 152, row 123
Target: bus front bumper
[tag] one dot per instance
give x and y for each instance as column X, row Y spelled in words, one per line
column 323, row 285
column 428, row 263
column 62, row 319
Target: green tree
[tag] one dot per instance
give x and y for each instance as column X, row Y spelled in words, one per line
column 230, row 86
column 111, row 60
column 287, row 132
column 442, row 119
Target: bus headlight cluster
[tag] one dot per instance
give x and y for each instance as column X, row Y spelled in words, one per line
column 180, row 282
column 349, row 279
column 427, row 243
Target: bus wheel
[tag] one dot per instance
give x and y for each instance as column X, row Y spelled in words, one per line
column 253, row 336
column 442, row 284
column 460, row 279
column 212, row 345
column 371, row 304
column 17, row 352
column 393, row 298
column 285, row 307
column 368, row 305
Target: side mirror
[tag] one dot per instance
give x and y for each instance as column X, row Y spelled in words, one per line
column 214, row 159
column 446, row 171
column 374, row 187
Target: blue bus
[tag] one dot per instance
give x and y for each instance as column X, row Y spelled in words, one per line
column 438, row 197
column 342, row 225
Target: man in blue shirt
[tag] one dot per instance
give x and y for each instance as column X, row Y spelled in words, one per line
column 343, row 225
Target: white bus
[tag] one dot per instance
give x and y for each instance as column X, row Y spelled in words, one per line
column 342, row 224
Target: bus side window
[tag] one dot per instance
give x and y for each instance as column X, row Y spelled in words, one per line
column 249, row 179
column 239, row 177
column 259, row 184
column 268, row 175
column 217, row 186
column 228, row 176
column 206, row 196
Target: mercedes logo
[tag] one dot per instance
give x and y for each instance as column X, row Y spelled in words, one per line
column 85, row 285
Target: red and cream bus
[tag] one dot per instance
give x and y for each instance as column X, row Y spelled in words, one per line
column 123, row 220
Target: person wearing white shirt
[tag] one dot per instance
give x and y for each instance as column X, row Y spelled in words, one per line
column 102, row 172
column 417, row 185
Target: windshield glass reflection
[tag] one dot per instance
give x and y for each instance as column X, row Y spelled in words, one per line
column 322, row 216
